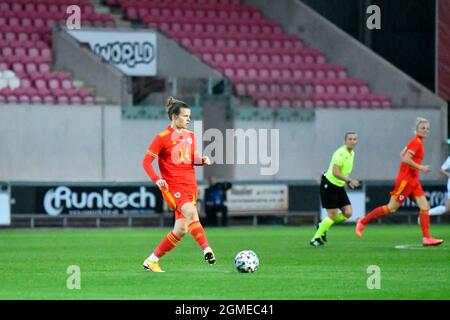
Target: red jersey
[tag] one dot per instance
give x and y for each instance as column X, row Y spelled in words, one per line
column 406, row 172
column 177, row 155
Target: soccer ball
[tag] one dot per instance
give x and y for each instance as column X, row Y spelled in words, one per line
column 246, row 261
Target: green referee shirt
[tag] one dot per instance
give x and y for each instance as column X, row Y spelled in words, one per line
column 344, row 159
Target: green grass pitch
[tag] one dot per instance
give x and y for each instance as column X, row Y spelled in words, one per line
column 33, row 264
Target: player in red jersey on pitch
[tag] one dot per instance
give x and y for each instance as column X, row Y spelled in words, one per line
column 407, row 185
column 176, row 151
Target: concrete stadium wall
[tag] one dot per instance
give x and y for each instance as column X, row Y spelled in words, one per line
column 306, row 148
column 70, row 55
column 50, row 142
column 93, row 143
column 125, row 144
column 73, row 143
column 341, row 48
column 173, row 61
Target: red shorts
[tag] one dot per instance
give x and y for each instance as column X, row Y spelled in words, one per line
column 404, row 189
column 176, row 197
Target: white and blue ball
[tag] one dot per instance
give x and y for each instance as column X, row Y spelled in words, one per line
column 246, row 261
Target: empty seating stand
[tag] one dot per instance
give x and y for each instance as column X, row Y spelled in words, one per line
column 25, row 49
column 273, row 68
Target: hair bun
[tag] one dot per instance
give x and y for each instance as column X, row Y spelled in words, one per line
column 170, row 103
column 173, row 106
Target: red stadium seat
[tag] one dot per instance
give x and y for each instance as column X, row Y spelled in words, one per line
column 62, row 99
column 53, row 84
column 36, row 99
column 262, row 103
column 44, row 67
column 252, row 51
column 40, row 84
column 7, row 51
column 18, row 67
column 85, row 92
column 25, row 83
column 89, row 100
column 48, row 99
column 66, row 84
column 12, row 98
column 76, row 100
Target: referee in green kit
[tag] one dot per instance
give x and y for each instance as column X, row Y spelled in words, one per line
column 332, row 188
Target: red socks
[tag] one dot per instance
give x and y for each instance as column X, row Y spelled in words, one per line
column 171, row 240
column 375, row 214
column 167, row 244
column 424, row 217
column 382, row 211
column 198, row 233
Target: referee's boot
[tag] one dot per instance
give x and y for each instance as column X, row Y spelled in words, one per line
column 324, row 236
column 317, row 242
column 210, row 257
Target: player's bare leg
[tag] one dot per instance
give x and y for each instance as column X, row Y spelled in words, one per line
column 424, row 217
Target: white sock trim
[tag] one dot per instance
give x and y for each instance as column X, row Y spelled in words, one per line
column 208, row 249
column 153, row 258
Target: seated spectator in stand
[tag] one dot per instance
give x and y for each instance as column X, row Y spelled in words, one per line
column 215, row 197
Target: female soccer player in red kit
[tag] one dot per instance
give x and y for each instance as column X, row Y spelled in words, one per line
column 177, row 154
column 407, row 185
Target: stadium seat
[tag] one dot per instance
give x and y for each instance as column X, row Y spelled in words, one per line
column 75, row 100
column 12, row 98
column 25, row 51
column 3, row 83
column 254, row 53
column 25, row 83
column 89, row 100
column 14, row 83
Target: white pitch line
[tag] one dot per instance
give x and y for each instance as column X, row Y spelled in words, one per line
column 409, row 246
column 415, row 247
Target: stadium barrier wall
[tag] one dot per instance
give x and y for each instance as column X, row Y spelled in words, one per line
column 5, row 205
column 73, row 143
column 66, row 198
column 94, row 143
column 306, row 148
column 69, row 204
column 341, row 48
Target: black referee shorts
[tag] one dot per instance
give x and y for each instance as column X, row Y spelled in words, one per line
column 332, row 196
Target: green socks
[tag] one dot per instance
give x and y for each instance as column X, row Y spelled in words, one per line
column 323, row 227
column 340, row 218
column 326, row 224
